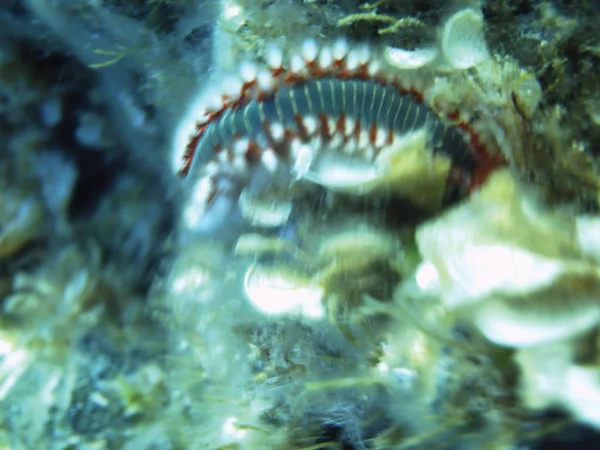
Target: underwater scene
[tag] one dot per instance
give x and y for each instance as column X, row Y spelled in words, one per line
column 299, row 225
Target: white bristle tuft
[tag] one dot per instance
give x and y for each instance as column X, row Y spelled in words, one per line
column 295, row 145
column 336, row 142
column 248, row 71
column 380, row 137
column 351, row 146
column 340, row 49
column 297, row 64
column 241, row 146
column 214, row 101
column 310, row 50
column 369, row 153
column 310, row 124
column 269, row 160
column 210, row 169
column 325, row 58
column 332, row 125
column 198, row 202
column 274, row 57
column 303, row 156
column 417, row 84
column 277, row 132
column 186, row 131
column 349, row 127
column 364, row 54
column 352, row 60
column 316, row 142
column 232, row 86
column 265, row 82
column 239, row 165
column 373, row 68
column 223, row 156
column 363, row 139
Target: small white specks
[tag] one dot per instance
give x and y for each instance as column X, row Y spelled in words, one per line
column 230, row 429
column 310, row 50
column 274, row 57
column 231, row 10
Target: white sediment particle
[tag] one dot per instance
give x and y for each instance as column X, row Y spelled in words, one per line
column 52, row 111
column 277, row 292
column 410, row 59
column 89, row 131
column 463, row 43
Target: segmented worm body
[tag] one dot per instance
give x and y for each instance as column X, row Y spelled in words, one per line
column 324, row 100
